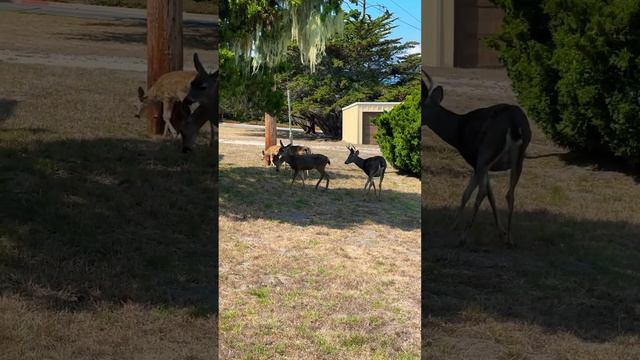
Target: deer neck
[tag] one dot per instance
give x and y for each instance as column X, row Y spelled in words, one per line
column 446, row 124
column 359, row 162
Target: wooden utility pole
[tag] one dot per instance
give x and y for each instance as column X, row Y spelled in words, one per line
column 270, row 135
column 164, row 49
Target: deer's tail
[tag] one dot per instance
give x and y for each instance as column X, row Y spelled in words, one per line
column 328, row 161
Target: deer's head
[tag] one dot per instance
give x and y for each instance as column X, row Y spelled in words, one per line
column 282, row 155
column 203, row 90
column 431, row 101
column 353, row 154
column 203, row 85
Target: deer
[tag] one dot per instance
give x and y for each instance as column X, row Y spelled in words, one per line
column 203, row 91
column 374, row 166
column 271, row 153
column 492, row 138
column 295, row 150
column 170, row 89
column 303, row 162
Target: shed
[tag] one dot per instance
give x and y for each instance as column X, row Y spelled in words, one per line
column 454, row 33
column 357, row 127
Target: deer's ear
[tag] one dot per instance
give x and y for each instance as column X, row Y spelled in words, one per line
column 198, row 65
column 436, row 95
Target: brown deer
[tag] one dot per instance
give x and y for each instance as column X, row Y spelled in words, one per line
column 303, row 162
column 170, row 89
column 270, row 153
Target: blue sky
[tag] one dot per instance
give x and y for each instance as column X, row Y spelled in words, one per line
column 407, row 12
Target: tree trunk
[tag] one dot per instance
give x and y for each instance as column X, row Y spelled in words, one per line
column 164, row 49
column 270, row 135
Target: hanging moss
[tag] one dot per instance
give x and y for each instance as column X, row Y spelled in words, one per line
column 262, row 32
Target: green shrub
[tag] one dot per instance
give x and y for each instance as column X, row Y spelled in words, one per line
column 399, row 134
column 575, row 66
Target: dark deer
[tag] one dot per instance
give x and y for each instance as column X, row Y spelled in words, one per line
column 294, row 150
column 489, row 139
column 303, row 162
column 374, row 167
column 203, row 91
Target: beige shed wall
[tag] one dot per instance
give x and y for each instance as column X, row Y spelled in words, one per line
column 352, row 130
column 350, row 125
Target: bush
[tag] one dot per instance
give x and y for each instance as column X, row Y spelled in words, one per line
column 575, row 68
column 399, row 134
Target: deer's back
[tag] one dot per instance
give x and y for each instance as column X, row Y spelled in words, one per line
column 486, row 129
column 309, row 161
column 173, row 86
column 299, row 150
column 272, row 150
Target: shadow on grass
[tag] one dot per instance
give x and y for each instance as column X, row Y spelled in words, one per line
column 84, row 222
column 7, row 108
column 195, row 35
column 567, row 274
column 254, row 192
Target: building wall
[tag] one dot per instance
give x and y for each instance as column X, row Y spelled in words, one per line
column 474, row 21
column 353, row 120
column 453, row 33
column 437, row 32
column 350, row 125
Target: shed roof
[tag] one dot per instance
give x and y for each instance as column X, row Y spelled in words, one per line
column 370, row 103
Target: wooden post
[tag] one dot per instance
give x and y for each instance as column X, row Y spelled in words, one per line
column 164, row 49
column 270, row 135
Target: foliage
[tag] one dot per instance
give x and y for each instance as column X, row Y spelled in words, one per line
column 399, row 133
column 575, row 66
column 260, row 30
column 247, row 96
column 361, row 64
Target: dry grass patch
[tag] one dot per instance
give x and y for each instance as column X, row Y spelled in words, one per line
column 571, row 289
column 106, row 236
column 312, row 274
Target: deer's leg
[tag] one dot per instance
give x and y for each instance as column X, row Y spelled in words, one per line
column 326, row 177
column 370, row 181
column 481, row 179
column 473, row 182
column 482, row 193
column 380, row 184
column 492, row 201
column 517, row 157
column 167, row 111
column 366, row 184
column 322, row 175
column 295, row 174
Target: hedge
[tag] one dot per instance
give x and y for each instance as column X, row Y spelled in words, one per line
column 575, row 68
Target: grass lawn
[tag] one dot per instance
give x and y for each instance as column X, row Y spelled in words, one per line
column 571, row 288
column 106, row 236
column 306, row 274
